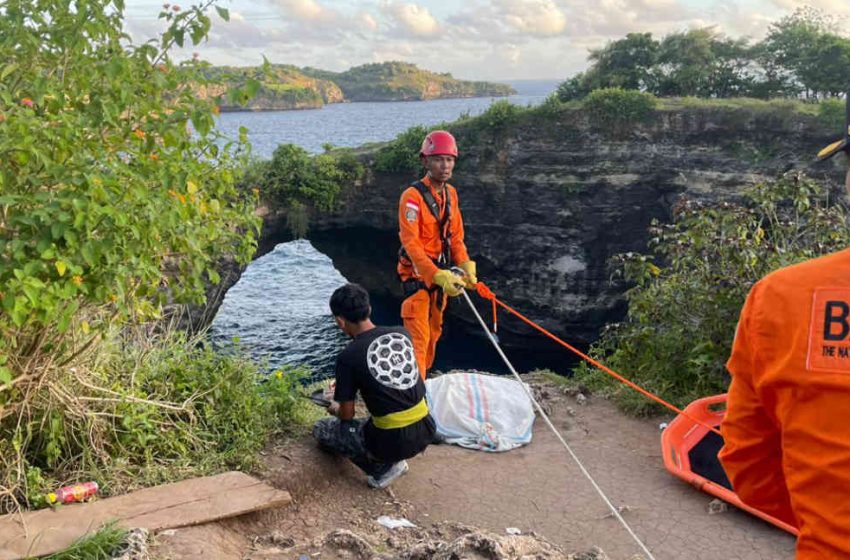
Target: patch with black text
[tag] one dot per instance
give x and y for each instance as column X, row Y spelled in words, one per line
column 829, row 331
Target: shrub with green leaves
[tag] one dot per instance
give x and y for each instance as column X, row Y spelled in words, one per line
column 616, row 107
column 293, row 175
column 294, row 180
column 688, row 293
column 402, row 154
column 116, row 192
column 831, row 113
column 499, row 115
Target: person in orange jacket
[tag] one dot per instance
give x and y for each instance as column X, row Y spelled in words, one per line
column 786, row 430
column 431, row 232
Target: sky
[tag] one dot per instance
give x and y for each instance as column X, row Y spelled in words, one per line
column 472, row 39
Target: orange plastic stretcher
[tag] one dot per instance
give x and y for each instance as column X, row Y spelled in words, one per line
column 690, row 452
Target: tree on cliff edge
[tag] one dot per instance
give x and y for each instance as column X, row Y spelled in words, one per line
column 815, row 58
column 803, row 54
column 116, row 192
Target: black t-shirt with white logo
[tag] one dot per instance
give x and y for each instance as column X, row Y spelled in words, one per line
column 380, row 363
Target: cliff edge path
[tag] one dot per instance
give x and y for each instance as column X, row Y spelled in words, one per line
column 536, row 489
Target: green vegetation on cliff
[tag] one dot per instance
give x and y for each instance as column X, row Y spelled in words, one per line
column 615, row 107
column 293, row 181
column 401, row 81
column 689, row 291
column 611, row 111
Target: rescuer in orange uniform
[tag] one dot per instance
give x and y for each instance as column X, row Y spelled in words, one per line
column 431, row 232
column 787, row 425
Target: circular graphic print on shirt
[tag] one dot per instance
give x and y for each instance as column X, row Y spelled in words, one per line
column 392, row 362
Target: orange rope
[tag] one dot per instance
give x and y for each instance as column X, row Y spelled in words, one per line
column 486, row 293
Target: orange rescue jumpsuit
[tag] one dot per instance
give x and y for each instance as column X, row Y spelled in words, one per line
column 787, row 425
column 419, row 231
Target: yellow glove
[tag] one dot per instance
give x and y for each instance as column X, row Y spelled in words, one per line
column 450, row 282
column 470, row 277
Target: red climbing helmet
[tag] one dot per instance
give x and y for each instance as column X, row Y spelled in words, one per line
column 438, row 143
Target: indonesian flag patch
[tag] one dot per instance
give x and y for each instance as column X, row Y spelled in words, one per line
column 411, row 210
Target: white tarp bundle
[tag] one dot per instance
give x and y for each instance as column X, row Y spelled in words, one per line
column 479, row 411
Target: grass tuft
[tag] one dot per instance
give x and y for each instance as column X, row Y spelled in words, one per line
column 102, row 545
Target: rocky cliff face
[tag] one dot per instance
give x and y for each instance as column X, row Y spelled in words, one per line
column 549, row 199
column 329, row 91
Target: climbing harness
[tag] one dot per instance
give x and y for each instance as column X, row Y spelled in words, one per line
column 444, row 223
column 614, row 511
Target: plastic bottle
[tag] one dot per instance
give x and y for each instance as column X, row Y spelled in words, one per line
column 73, row 493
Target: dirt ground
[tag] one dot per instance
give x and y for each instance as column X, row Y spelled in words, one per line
column 463, row 501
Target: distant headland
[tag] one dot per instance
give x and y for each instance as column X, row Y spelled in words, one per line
column 283, row 87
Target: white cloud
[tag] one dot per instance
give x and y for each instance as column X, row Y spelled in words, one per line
column 240, row 33
column 829, row 7
column 511, row 54
column 412, row 18
column 366, row 21
column 615, row 18
column 399, row 50
column 308, row 10
column 738, row 21
column 540, row 18
column 309, row 23
column 657, row 4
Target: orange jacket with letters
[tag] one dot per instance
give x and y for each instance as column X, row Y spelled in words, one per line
column 420, row 232
column 787, row 425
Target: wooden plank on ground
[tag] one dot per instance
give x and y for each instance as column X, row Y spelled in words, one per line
column 190, row 502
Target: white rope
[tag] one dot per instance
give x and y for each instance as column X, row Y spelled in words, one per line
column 543, row 415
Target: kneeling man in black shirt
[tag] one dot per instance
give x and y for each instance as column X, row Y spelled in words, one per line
column 379, row 363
